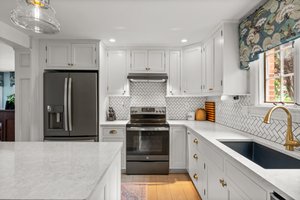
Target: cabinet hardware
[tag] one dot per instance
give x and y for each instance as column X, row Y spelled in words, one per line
column 124, row 92
column 196, row 176
column 204, row 192
column 196, row 141
column 188, row 133
column 210, row 89
column 46, row 60
column 204, row 166
column 223, row 183
column 195, row 156
column 113, row 132
column 46, row 48
column 222, row 83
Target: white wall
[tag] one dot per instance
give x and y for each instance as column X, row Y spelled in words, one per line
column 7, row 58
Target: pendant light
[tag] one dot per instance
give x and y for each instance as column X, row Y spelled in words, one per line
column 35, row 15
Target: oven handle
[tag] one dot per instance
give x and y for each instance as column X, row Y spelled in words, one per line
column 147, row 129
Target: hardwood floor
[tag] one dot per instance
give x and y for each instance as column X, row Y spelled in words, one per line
column 158, row 187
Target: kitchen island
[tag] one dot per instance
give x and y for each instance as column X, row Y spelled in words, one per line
column 60, row 170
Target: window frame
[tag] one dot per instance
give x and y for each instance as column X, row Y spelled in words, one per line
column 281, row 76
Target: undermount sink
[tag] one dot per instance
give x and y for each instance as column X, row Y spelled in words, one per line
column 263, row 156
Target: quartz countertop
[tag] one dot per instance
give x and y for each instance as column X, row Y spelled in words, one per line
column 114, row 123
column 285, row 180
column 53, row 170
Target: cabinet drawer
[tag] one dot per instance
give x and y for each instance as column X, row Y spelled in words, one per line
column 245, row 184
column 193, row 141
column 113, row 132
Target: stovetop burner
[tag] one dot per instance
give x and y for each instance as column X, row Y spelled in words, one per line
column 147, row 117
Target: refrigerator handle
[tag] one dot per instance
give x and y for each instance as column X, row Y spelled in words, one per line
column 65, row 105
column 70, row 104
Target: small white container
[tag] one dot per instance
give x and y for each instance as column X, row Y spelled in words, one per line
column 190, row 116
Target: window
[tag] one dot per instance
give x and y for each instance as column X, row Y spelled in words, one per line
column 279, row 74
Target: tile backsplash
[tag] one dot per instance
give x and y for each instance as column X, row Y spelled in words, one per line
column 154, row 94
column 228, row 113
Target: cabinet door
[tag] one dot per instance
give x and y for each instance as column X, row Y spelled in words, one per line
column 139, row 60
column 215, row 190
column 123, row 152
column 116, row 62
column 156, row 60
column 209, row 65
column 84, row 56
column 191, row 72
column 235, row 194
column 175, row 72
column 178, row 148
column 58, row 55
column 218, row 60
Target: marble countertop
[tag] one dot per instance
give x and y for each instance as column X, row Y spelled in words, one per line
column 284, row 180
column 53, row 170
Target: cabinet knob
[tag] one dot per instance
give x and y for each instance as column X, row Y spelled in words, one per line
column 113, row 132
column 195, row 156
column 196, row 141
column 196, row 177
column 223, row 183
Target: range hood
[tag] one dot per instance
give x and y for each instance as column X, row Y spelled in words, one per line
column 148, row 77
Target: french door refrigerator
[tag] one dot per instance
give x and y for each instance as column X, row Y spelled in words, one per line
column 70, row 105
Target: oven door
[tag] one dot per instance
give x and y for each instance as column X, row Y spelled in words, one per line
column 147, row 144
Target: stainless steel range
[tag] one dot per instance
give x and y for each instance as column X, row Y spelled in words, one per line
column 147, row 141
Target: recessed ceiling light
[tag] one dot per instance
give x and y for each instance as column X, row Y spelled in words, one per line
column 175, row 29
column 184, row 40
column 112, row 40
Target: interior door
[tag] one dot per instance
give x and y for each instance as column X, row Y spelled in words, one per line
column 83, row 105
column 54, row 104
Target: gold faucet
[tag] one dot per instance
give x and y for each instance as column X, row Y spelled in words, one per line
column 290, row 143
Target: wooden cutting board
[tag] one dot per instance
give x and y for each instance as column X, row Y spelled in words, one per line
column 210, row 111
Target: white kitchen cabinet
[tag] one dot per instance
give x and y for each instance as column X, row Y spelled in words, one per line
column 70, row 54
column 115, row 134
column 175, row 73
column 229, row 78
column 117, row 65
column 58, row 54
column 191, row 71
column 84, row 55
column 208, row 66
column 147, row 61
column 178, row 148
column 216, row 183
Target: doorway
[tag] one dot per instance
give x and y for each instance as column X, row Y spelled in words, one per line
column 7, row 92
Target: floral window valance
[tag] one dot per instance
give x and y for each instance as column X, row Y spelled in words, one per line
column 274, row 23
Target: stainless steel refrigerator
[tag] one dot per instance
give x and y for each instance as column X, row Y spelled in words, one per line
column 70, row 105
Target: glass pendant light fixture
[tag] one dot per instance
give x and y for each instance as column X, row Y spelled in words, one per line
column 35, row 15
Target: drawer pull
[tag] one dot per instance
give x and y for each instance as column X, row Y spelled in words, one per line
column 196, row 176
column 113, row 132
column 223, row 183
column 195, row 156
column 210, row 89
column 196, row 141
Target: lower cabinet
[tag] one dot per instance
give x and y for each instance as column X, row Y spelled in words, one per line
column 110, row 185
column 218, row 179
column 178, row 147
column 115, row 134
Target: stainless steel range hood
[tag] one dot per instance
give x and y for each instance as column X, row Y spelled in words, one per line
column 148, row 77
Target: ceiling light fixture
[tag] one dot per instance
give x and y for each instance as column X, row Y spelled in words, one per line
column 35, row 15
column 112, row 40
column 184, row 40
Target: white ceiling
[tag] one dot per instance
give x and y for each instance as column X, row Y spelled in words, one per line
column 140, row 22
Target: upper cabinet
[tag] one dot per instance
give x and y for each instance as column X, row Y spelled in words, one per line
column 229, row 78
column 75, row 54
column 117, row 73
column 192, row 71
column 148, row 61
column 174, row 72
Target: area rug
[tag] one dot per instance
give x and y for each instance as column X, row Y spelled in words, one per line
column 133, row 191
